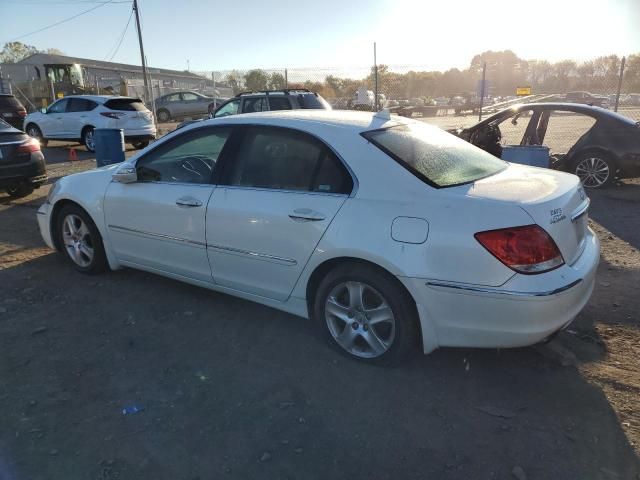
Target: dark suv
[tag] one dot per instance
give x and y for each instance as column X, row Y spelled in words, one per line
column 11, row 110
column 288, row 99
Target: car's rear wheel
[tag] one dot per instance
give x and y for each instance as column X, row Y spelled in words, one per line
column 20, row 190
column 366, row 314
column 79, row 239
column 35, row 132
column 88, row 139
column 163, row 116
column 140, row 145
column 595, row 170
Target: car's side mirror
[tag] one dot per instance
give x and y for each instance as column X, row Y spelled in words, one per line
column 125, row 174
column 43, row 110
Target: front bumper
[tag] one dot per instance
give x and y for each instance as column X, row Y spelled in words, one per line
column 523, row 311
column 44, row 223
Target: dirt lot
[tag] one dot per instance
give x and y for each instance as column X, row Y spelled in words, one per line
column 231, row 389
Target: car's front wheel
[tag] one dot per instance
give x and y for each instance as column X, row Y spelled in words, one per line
column 366, row 314
column 80, row 240
column 35, row 132
column 140, row 145
column 595, row 170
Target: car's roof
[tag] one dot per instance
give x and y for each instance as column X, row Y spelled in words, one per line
column 100, row 98
column 345, row 119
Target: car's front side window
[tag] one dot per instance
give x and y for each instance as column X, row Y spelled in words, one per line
column 285, row 159
column 230, row 108
column 59, row 107
column 188, row 158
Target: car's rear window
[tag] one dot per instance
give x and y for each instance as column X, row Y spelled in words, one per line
column 9, row 101
column 311, row 101
column 433, row 155
column 126, row 104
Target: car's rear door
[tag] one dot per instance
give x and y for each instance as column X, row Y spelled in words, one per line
column 278, row 194
column 77, row 116
column 158, row 222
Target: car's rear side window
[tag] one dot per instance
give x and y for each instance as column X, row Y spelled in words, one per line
column 433, row 155
column 279, row 103
column 286, row 159
column 126, row 104
column 312, row 101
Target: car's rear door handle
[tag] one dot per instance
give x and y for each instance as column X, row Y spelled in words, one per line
column 306, row 214
column 188, row 202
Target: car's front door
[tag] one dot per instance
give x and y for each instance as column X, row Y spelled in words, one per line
column 76, row 116
column 190, row 103
column 158, row 222
column 52, row 124
column 278, row 194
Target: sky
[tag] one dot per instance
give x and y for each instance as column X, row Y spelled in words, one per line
column 205, row 35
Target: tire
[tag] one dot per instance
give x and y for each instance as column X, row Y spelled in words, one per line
column 82, row 245
column 595, row 170
column 140, row 145
column 345, row 323
column 34, row 131
column 164, row 116
column 21, row 190
column 87, row 139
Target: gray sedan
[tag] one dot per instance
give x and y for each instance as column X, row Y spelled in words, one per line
column 178, row 105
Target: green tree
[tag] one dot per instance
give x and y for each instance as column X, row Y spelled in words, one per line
column 13, row 52
column 235, row 81
column 277, row 81
column 256, row 79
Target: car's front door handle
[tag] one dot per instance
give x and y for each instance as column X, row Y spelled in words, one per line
column 306, row 214
column 188, row 202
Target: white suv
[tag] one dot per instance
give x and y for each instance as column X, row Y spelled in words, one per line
column 76, row 116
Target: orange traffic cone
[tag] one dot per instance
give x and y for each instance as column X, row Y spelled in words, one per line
column 73, row 156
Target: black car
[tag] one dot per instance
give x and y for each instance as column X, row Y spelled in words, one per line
column 597, row 145
column 287, row 99
column 11, row 110
column 22, row 166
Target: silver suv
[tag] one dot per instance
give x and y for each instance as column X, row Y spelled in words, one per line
column 287, row 99
column 178, row 105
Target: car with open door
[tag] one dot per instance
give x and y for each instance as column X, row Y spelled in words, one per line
column 388, row 233
column 597, row 145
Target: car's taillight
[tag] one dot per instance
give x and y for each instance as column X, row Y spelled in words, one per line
column 29, row 146
column 22, row 112
column 114, row 115
column 527, row 249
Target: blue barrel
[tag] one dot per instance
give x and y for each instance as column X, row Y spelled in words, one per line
column 109, row 143
column 533, row 155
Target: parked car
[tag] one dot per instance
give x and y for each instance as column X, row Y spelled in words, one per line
column 386, row 232
column 22, row 166
column 587, row 98
column 75, row 117
column 288, row 99
column 11, row 110
column 595, row 144
column 179, row 105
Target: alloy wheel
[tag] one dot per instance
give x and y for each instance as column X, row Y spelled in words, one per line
column 77, row 240
column 89, row 141
column 360, row 319
column 593, row 172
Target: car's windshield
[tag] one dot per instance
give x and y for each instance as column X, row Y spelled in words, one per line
column 435, row 156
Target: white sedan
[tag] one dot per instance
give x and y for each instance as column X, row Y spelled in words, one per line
column 386, row 232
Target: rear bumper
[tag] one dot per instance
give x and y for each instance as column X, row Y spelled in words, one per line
column 146, row 133
column 523, row 311
column 32, row 171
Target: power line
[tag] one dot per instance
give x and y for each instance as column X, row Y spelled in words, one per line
column 121, row 37
column 62, row 21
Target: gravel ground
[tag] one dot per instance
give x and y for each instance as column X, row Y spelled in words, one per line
column 231, row 389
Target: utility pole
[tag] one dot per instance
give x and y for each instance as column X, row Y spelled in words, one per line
column 482, row 89
column 144, row 61
column 615, row 109
column 375, row 71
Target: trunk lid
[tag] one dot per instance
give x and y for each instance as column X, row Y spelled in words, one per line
column 554, row 200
